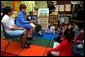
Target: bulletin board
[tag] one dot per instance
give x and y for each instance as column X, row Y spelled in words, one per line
column 67, row 7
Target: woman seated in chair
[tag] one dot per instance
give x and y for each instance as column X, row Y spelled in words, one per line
column 22, row 22
column 10, row 27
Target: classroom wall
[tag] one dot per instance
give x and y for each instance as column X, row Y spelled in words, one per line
column 41, row 4
column 8, row 3
column 30, row 5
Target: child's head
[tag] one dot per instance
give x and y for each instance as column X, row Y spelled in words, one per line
column 69, row 34
column 70, row 25
column 60, row 26
column 82, row 30
column 31, row 13
column 73, row 23
column 66, row 26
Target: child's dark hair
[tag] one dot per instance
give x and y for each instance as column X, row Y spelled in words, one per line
column 69, row 34
column 30, row 12
column 72, row 22
column 6, row 10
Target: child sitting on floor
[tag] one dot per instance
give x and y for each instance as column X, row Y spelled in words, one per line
column 78, row 46
column 61, row 31
column 65, row 47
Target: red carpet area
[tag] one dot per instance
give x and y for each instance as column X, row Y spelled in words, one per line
column 14, row 49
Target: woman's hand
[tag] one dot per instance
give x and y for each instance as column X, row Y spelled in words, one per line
column 17, row 28
column 20, row 28
column 32, row 21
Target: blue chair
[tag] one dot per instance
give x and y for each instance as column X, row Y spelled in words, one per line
column 8, row 37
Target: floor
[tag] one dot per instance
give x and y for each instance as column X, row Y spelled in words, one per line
column 39, row 46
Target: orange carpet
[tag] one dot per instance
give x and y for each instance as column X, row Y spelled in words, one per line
column 14, row 49
column 3, row 44
column 46, row 51
column 8, row 54
column 33, row 51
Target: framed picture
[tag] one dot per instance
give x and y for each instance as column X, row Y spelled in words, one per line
column 61, row 8
column 67, row 7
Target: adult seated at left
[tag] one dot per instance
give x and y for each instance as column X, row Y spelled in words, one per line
column 10, row 27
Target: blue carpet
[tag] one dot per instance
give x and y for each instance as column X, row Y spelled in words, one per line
column 48, row 36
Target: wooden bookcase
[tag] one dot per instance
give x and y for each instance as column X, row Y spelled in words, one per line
column 53, row 20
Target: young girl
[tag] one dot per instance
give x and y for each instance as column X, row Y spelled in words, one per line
column 76, row 28
column 79, row 44
column 65, row 47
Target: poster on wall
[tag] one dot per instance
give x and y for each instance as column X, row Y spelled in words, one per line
column 67, row 7
column 61, row 8
column 43, row 14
